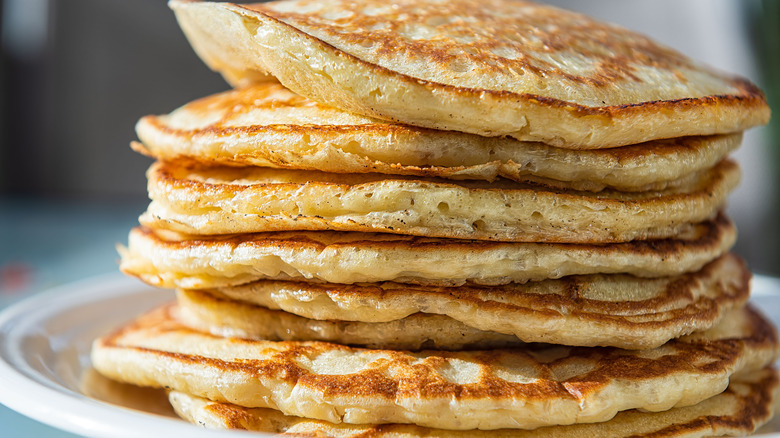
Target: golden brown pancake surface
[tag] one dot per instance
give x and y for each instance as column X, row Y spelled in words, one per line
column 495, row 68
column 747, row 403
column 491, row 389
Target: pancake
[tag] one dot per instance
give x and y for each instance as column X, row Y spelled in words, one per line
column 597, row 310
column 226, row 200
column 539, row 385
column 169, row 259
column 747, row 403
column 215, row 314
column 267, row 125
column 504, row 68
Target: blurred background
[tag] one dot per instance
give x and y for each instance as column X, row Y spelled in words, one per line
column 76, row 75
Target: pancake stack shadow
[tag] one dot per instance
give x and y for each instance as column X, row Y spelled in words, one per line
column 442, row 220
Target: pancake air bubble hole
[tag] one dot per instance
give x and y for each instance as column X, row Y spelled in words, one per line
column 251, row 26
column 443, row 207
column 460, row 65
column 376, row 93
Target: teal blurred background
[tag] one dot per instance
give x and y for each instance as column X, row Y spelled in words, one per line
column 76, row 75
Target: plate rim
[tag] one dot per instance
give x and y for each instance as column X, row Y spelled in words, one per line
column 84, row 415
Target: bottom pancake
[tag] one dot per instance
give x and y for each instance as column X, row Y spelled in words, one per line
column 749, row 402
column 529, row 387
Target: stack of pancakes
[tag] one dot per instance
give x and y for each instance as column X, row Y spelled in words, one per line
column 446, row 218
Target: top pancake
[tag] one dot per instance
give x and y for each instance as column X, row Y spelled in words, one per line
column 267, row 125
column 528, row 71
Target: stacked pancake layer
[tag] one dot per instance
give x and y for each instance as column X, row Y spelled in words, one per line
column 508, row 223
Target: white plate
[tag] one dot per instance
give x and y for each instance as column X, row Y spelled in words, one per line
column 44, row 353
column 44, row 356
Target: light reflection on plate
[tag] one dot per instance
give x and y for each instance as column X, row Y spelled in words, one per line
column 45, row 372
